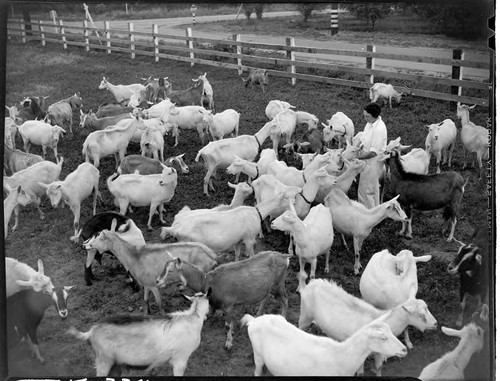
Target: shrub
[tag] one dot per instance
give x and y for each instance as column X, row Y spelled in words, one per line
column 370, row 12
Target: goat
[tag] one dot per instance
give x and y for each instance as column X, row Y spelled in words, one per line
column 192, row 96
column 352, row 218
column 16, row 160
column 144, row 190
column 308, row 119
column 472, row 264
column 383, row 90
column 426, row 192
column 126, row 229
column 143, row 97
column 247, row 282
column 451, row 365
column 415, row 161
column 113, row 141
column 222, row 230
column 144, row 342
column 145, row 263
column 20, row 276
column 25, row 311
column 30, row 110
column 100, row 123
column 441, row 140
column 475, row 139
column 276, row 106
column 186, row 118
column 156, row 84
column 208, row 92
column 152, row 143
column 40, row 133
column 339, row 314
column 390, row 280
column 29, row 178
column 222, row 123
column 157, row 110
column 285, row 122
column 111, row 109
column 14, row 198
column 10, row 133
column 251, row 169
column 61, row 113
column 220, row 153
column 310, row 142
column 340, row 128
column 257, row 76
column 288, row 351
column 76, row 187
column 312, row 237
column 147, row 166
column 120, row 92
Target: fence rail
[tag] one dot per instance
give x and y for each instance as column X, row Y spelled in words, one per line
column 284, row 60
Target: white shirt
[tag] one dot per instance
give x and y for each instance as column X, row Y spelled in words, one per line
column 374, row 137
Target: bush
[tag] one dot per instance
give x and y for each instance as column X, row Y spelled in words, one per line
column 370, row 12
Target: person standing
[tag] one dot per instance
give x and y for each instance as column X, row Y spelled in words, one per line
column 374, row 141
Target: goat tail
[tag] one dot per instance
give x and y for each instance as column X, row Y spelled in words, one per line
column 111, row 178
column 246, row 319
column 197, row 158
column 79, row 335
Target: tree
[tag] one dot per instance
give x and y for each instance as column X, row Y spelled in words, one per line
column 370, row 12
column 306, row 9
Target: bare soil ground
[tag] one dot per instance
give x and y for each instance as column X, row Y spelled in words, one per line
column 34, row 70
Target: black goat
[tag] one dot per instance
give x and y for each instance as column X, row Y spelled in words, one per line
column 30, row 110
column 309, row 142
column 192, row 96
column 472, row 264
column 426, row 192
column 25, row 310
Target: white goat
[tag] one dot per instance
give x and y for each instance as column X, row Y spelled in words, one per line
column 157, row 110
column 223, row 123
column 312, row 237
column 120, row 92
column 61, row 113
column 475, row 139
column 286, row 122
column 441, row 140
column 339, row 127
column 390, row 280
column 29, row 178
column 14, row 198
column 221, row 153
column 152, row 142
column 452, row 364
column 144, row 190
column 134, row 341
column 288, row 351
column 276, row 106
column 383, row 90
column 186, row 118
column 223, row 230
column 415, row 161
column 113, row 141
column 339, row 314
column 349, row 217
column 208, row 92
column 40, row 133
column 75, row 188
column 19, row 276
column 309, row 119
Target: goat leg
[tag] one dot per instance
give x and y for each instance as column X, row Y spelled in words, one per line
column 34, row 348
column 229, row 324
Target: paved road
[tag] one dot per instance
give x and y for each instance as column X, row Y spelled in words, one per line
column 171, row 26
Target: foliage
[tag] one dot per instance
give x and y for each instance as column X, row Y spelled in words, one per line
column 464, row 18
column 370, row 12
column 306, row 9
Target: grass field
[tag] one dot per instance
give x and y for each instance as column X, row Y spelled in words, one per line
column 34, row 70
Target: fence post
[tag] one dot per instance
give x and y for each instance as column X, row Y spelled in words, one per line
column 237, row 37
column 108, row 36
column 63, row 36
column 334, row 18
column 290, row 54
column 456, row 73
column 86, row 35
column 189, row 34
column 42, row 34
column 132, row 37
column 155, row 42
column 23, row 31
column 370, row 64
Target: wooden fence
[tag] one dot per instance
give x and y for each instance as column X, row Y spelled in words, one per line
column 280, row 60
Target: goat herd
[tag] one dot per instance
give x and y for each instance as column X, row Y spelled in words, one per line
column 310, row 204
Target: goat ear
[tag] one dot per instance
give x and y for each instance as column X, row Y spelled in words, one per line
column 113, row 225
column 68, row 288
column 479, row 259
column 23, row 283
column 190, row 298
column 231, row 185
column 40, row 266
column 423, row 258
column 451, row 332
column 44, row 186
